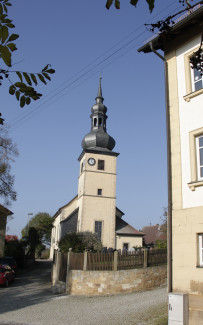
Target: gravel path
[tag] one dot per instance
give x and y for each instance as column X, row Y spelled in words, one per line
column 30, row 301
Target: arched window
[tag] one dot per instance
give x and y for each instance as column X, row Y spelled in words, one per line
column 95, row 121
column 100, row 121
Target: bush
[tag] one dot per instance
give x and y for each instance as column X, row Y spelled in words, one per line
column 15, row 248
column 79, row 242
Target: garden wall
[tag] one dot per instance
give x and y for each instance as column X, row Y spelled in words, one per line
column 114, row 282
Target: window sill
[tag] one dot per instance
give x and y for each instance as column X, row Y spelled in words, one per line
column 193, row 94
column 193, row 185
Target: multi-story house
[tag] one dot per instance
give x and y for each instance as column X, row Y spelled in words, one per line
column 184, row 110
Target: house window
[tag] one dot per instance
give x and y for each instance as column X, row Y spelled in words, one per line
column 199, row 150
column 125, row 246
column 98, row 229
column 99, row 191
column 197, row 80
column 193, row 78
column 100, row 164
column 200, row 237
column 196, row 158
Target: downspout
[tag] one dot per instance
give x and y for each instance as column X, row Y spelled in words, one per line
column 168, row 137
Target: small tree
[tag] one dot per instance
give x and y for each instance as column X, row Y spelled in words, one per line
column 8, row 152
column 42, row 222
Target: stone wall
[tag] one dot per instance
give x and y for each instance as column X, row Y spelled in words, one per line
column 114, row 282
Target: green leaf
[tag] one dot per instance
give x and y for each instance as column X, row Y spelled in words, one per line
column 17, row 95
column 41, row 78
column 10, row 25
column 1, row 9
column 28, row 100
column 20, row 85
column 22, row 101
column 109, row 3
column 50, row 71
column 151, row 4
column 12, row 90
column 34, row 79
column 4, row 33
column 3, row 16
column 134, row 2
column 13, row 37
column 20, row 76
column 12, row 47
column 6, row 55
column 7, row 21
column 5, row 8
column 27, row 78
column 8, row 4
column 46, row 67
column 46, row 75
column 117, row 4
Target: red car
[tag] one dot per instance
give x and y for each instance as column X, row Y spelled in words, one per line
column 7, row 275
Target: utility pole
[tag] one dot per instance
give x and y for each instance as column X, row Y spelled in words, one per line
column 29, row 214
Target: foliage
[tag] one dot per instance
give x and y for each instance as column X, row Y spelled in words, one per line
column 33, row 241
column 196, row 61
column 42, row 223
column 161, row 244
column 164, row 218
column 8, row 151
column 15, row 248
column 91, row 241
column 22, row 89
column 132, row 2
column 39, row 249
column 164, row 26
column 79, row 242
column 71, row 240
column 135, row 2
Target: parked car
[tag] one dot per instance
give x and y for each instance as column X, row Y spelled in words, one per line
column 10, row 261
column 7, row 275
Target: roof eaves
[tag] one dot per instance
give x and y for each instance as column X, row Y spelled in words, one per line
column 64, row 206
column 158, row 43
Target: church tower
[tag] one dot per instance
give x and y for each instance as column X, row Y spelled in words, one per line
column 97, row 179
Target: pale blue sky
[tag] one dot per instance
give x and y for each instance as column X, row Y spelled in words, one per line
column 81, row 39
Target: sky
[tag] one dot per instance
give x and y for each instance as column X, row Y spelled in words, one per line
column 81, row 40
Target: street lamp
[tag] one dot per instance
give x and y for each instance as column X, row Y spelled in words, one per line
column 29, row 214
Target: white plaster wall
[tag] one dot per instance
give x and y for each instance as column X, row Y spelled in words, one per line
column 56, row 233
column 191, row 118
column 132, row 241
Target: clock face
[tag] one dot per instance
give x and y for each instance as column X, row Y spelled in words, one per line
column 91, row 161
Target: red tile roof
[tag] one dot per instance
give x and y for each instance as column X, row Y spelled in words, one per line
column 153, row 233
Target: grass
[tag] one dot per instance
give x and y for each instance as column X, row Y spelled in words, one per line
column 158, row 316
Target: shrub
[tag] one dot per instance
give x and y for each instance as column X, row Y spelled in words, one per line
column 79, row 242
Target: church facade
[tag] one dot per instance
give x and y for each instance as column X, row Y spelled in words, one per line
column 94, row 208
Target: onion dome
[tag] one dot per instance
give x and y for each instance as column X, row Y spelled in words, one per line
column 98, row 138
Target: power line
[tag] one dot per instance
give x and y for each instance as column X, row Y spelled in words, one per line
column 27, row 115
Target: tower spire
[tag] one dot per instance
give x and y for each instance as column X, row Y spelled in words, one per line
column 98, row 138
column 99, row 94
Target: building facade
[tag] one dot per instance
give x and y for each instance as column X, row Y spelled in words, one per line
column 184, row 87
column 4, row 213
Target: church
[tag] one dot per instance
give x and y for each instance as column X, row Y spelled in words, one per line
column 94, row 208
